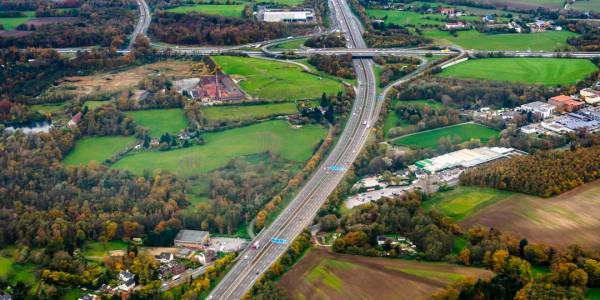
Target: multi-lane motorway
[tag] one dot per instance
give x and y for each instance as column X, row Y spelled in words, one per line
column 301, row 211
column 143, row 23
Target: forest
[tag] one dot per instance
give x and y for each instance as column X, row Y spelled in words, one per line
column 326, row 41
column 336, row 65
column 199, row 29
column 544, row 174
column 100, row 22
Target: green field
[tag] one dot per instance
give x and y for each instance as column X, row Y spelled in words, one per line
column 266, row 79
column 96, row 148
column 95, row 104
column 5, row 266
column 12, row 23
column 48, row 108
column 97, row 249
column 472, row 39
column 293, row 144
column 248, row 112
column 160, row 121
column 281, row 2
column 429, row 139
column 392, row 119
column 412, row 18
column 293, row 44
column 212, row 9
column 593, row 294
column 546, row 71
column 464, row 201
column 587, row 5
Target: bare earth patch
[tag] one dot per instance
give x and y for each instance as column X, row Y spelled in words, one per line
column 118, row 81
column 324, row 275
column 570, row 218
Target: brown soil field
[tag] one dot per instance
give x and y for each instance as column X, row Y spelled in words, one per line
column 569, row 218
column 110, row 82
column 324, row 275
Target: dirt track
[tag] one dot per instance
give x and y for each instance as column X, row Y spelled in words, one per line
column 368, row 277
column 559, row 221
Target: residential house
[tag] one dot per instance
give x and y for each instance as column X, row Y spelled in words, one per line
column 565, row 103
column 171, row 269
column 127, row 281
column 488, row 18
column 193, row 239
column 74, row 120
column 165, row 257
column 541, row 109
column 447, row 11
column 207, row 256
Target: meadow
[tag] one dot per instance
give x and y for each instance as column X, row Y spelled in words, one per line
column 586, row 5
column 99, row 149
column 294, row 144
column 12, row 23
column 324, row 275
column 160, row 121
column 573, row 215
column 293, row 44
column 473, row 39
column 248, row 112
column 93, row 104
column 212, row 9
column 273, row 80
column 429, row 138
column 97, row 251
column 545, row 71
column 529, row 4
column 412, row 18
column 48, row 108
column 461, row 202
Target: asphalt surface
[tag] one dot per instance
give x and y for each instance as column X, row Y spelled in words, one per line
column 143, row 23
column 301, row 211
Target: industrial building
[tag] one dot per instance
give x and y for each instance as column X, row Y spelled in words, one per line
column 541, row 109
column 193, row 239
column 286, row 15
column 572, row 122
column 565, row 103
column 465, row 158
column 215, row 88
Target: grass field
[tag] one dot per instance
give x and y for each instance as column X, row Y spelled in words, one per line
column 461, row 202
column 12, row 23
column 97, row 249
column 212, row 9
column 587, row 5
column 593, row 294
column 413, row 18
column 266, row 79
column 293, row 44
column 429, row 139
column 546, row 71
column 95, row 104
column 160, row 121
column 96, row 148
column 48, row 108
column 293, row 144
column 472, row 39
column 248, row 112
column 324, row 275
column 570, row 218
column 529, row 4
column 392, row 119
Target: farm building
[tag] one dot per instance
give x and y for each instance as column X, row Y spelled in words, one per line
column 565, row 103
column 542, row 109
column 211, row 88
column 286, row 15
column 193, row 239
column 465, row 158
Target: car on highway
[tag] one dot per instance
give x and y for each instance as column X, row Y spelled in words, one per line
column 255, row 245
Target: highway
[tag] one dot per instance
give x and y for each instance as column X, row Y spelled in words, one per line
column 143, row 23
column 301, row 211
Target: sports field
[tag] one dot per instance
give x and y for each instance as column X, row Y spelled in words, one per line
column 212, row 9
column 545, row 71
column 570, row 218
column 473, row 39
column 273, row 80
column 96, row 148
column 160, row 121
column 464, row 201
column 323, row 275
column 293, row 144
column 12, row 23
column 429, row 138
column 248, row 112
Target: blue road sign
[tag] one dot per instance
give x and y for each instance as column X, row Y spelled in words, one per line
column 337, row 168
column 380, row 98
column 279, row 241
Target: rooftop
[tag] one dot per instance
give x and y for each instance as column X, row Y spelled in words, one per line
column 196, row 236
column 463, row 158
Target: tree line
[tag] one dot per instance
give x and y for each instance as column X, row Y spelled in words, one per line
column 337, row 65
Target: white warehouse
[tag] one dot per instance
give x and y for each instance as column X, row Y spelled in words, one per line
column 286, row 15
